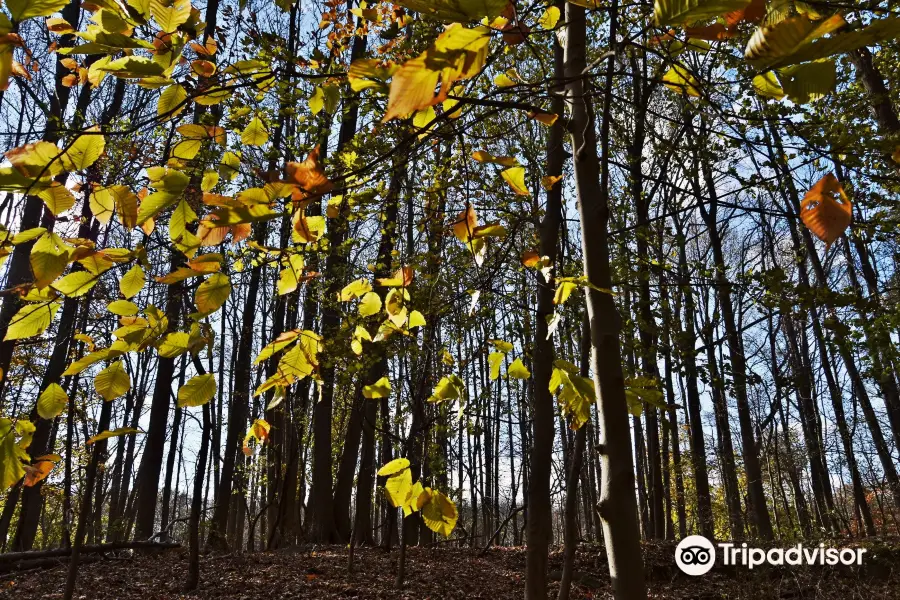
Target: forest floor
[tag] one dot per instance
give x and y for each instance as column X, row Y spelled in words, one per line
column 444, row 573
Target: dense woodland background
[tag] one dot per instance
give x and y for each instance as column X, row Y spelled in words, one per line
column 249, row 240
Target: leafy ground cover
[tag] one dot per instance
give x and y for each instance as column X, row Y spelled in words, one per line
column 444, row 573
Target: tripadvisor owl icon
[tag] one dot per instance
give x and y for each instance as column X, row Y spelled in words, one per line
column 695, row 555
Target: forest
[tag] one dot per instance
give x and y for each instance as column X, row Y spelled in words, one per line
column 447, row 298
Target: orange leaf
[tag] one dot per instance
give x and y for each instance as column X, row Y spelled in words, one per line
column 530, row 258
column 826, row 210
column 203, row 68
column 752, row 13
column 465, row 224
column 37, row 472
column 309, row 176
column 713, row 32
column 546, row 118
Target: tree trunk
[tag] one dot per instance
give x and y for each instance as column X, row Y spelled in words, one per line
column 617, row 504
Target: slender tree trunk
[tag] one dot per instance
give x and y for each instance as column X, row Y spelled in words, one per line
column 617, row 504
column 539, row 517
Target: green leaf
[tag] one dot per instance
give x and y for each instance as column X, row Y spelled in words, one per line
column 255, row 134
column 113, row 381
column 114, row 433
column 52, row 401
column 518, row 370
column 681, row 12
column 31, row 320
column 212, row 293
column 379, row 389
column 197, row 391
column 27, row 9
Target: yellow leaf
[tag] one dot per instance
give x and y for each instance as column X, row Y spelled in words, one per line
column 826, row 210
column 401, row 278
column 113, row 381
column 174, row 344
column 11, row 456
column 84, row 151
column 52, row 401
column 27, row 9
column 392, row 468
column 550, row 18
column 370, row 304
column 465, row 224
column 458, row 53
column 105, row 435
column 518, row 370
column 495, row 361
column 37, row 472
column 197, row 391
column 503, row 81
column 103, row 204
column 355, row 289
column 57, row 197
column 212, row 293
column 545, row 118
column 379, row 389
column 515, row 177
column 563, row 291
column 123, row 308
column 76, row 284
column 680, row 80
column 291, row 274
column 31, row 320
column 255, row 134
column 132, row 282
column 399, row 488
column 171, row 102
column 456, row 10
column 49, row 257
column 438, row 511
column 549, row 181
column 416, row 319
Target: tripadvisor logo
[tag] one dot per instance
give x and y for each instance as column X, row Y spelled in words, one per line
column 696, row 555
